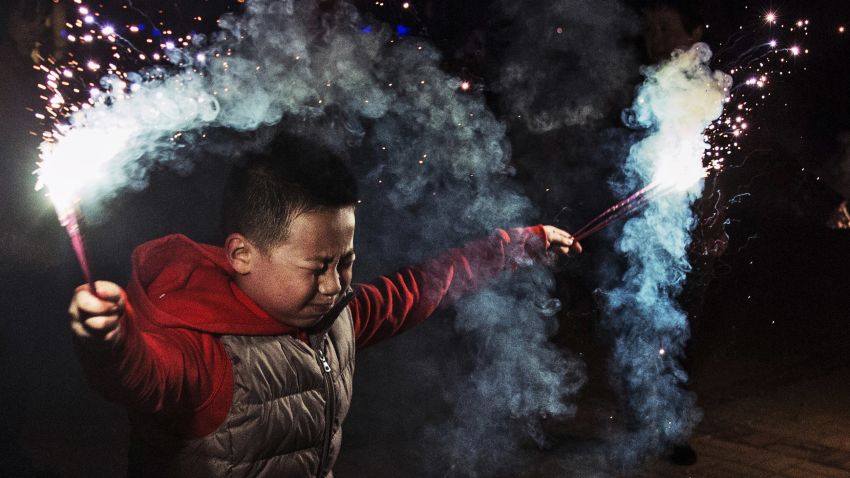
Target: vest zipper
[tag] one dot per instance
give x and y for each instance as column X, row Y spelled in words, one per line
column 329, row 405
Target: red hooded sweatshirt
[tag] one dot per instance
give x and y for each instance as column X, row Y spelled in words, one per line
column 167, row 360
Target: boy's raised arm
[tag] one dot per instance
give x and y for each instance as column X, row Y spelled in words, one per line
column 167, row 372
column 393, row 303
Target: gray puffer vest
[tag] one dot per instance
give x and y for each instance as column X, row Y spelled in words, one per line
column 289, row 402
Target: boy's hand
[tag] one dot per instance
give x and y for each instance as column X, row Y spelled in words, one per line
column 561, row 241
column 95, row 318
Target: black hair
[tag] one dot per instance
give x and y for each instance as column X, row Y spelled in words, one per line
column 292, row 176
column 689, row 10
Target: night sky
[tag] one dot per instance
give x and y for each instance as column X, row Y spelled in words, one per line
column 778, row 294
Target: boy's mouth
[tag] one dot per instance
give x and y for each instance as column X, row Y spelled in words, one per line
column 322, row 308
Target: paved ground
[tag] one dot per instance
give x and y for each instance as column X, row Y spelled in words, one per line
column 764, row 422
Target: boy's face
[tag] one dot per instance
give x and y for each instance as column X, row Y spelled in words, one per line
column 299, row 280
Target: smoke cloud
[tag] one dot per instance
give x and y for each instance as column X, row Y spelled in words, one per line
column 567, row 61
column 676, row 103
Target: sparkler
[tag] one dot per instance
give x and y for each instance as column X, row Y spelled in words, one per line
column 65, row 168
column 755, row 66
column 632, row 204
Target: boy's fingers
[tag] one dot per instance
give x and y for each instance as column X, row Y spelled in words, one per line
column 100, row 310
column 88, row 304
column 561, row 241
column 105, row 290
column 100, row 327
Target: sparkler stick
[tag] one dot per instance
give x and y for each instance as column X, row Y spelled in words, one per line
column 69, row 218
column 631, row 204
column 625, row 202
column 61, row 174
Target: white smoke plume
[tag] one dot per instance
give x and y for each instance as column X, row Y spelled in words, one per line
column 676, row 103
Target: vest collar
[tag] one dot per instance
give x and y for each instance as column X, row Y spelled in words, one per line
column 328, row 319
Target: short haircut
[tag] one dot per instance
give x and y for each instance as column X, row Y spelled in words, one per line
column 689, row 10
column 291, row 177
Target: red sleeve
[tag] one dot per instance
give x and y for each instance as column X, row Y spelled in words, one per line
column 392, row 304
column 180, row 377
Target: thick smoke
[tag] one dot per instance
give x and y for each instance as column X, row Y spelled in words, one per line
column 566, row 61
column 435, row 167
column 676, row 103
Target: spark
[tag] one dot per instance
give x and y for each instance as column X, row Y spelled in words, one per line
column 770, row 17
column 465, row 85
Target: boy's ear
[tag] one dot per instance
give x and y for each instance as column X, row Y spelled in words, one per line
column 240, row 253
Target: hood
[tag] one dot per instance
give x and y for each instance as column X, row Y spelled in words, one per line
column 177, row 282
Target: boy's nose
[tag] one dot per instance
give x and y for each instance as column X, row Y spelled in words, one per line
column 329, row 283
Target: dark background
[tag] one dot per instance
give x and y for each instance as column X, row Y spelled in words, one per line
column 779, row 294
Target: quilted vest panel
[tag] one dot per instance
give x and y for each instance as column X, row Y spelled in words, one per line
column 277, row 424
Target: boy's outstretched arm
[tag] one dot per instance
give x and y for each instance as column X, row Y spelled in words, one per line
column 393, row 303
column 166, row 373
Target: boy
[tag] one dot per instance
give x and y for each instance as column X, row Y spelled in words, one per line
column 238, row 361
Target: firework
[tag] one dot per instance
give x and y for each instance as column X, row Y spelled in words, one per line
column 754, row 69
